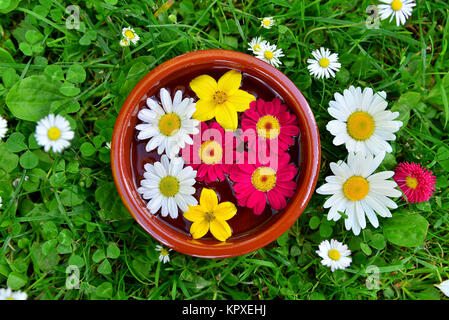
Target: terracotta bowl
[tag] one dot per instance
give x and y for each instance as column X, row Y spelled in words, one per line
column 124, row 130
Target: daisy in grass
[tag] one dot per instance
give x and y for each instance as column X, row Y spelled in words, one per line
column 270, row 54
column 164, row 256
column 54, row 132
column 168, row 126
column 220, row 100
column 401, row 9
column 270, row 120
column 8, row 294
column 324, row 64
column 168, row 186
column 1, row 204
column 207, row 154
column 267, row 22
column 125, row 42
column 3, row 127
column 362, row 123
column 130, row 35
column 255, row 183
column 359, row 193
column 335, row 254
column 444, row 287
column 210, row 215
column 417, row 183
column 255, row 44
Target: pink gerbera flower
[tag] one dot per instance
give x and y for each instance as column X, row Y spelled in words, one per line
column 255, row 183
column 207, row 155
column 417, row 183
column 270, row 121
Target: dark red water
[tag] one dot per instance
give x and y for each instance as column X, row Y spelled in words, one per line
column 245, row 221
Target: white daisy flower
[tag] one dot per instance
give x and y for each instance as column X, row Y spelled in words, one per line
column 401, row 9
column 267, row 22
column 357, row 192
column 168, row 126
column 324, row 64
column 8, row 294
column 108, row 145
column 335, row 254
column 255, row 44
column 130, row 34
column 362, row 123
column 1, row 204
column 125, row 42
column 444, row 287
column 269, row 53
column 164, row 254
column 168, row 186
column 54, row 132
column 3, row 127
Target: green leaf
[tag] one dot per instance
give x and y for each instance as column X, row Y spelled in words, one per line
column 98, row 255
column 405, row 103
column 76, row 74
column 70, row 197
column 33, row 36
column 69, row 90
column 87, row 149
column 30, row 98
column 406, row 229
column 10, row 77
column 54, row 72
column 26, row 48
column 28, row 160
column 8, row 160
column 365, row 248
column 16, row 280
column 105, row 267
column 49, row 246
column 8, row 5
column 105, row 290
column 377, row 241
column 76, row 260
column 113, row 251
column 16, row 142
column 314, row 222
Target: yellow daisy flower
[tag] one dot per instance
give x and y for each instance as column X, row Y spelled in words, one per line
column 222, row 99
column 210, row 215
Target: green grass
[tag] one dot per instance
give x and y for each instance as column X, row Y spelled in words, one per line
column 64, row 213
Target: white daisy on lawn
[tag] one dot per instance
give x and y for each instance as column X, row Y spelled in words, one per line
column 362, row 123
column 8, row 294
column 324, row 64
column 169, row 186
column 335, row 254
column 269, row 53
column 168, row 126
column 3, row 127
column 130, row 34
column 164, row 254
column 401, row 9
column 255, row 44
column 54, row 132
column 444, row 287
column 358, row 193
column 267, row 22
column 125, row 42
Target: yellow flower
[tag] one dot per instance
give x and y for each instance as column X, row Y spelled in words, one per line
column 221, row 100
column 210, row 215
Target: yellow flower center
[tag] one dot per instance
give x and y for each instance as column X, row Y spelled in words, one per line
column 268, row 127
column 411, row 182
column 268, row 55
column 266, row 22
column 256, row 47
column 129, row 34
column 169, row 124
column 334, row 254
column 211, row 152
column 164, row 252
column 263, row 179
column 396, row 5
column 360, row 125
column 324, row 62
column 169, row 186
column 356, row 188
column 220, row 97
column 54, row 133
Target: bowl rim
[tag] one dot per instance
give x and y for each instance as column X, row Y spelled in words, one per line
column 297, row 203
